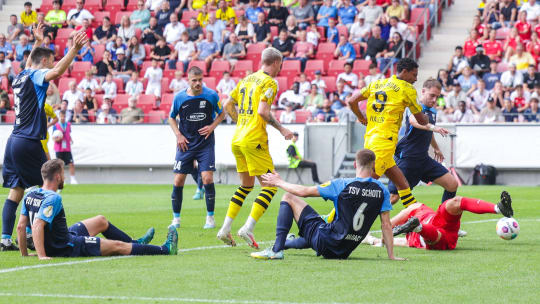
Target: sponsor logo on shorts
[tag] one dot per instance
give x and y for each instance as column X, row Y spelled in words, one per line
column 353, row 237
column 90, row 240
column 196, row 117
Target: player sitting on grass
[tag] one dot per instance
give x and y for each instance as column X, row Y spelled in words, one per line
column 357, row 201
column 438, row 230
column 43, row 210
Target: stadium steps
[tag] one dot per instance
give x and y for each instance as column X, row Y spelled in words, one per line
column 452, row 32
column 347, row 168
column 13, row 7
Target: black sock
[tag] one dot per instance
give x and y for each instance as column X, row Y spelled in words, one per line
column 176, row 198
column 297, row 243
column 140, row 249
column 9, row 213
column 210, row 195
column 113, row 233
column 284, row 223
column 199, row 181
column 447, row 195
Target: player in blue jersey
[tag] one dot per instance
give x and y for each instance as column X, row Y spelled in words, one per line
column 411, row 154
column 358, row 201
column 24, row 156
column 199, row 112
column 43, row 211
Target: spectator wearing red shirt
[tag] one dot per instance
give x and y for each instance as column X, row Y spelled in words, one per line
column 469, row 48
column 523, row 27
column 537, row 28
column 302, row 50
column 493, row 47
column 86, row 28
column 479, row 26
column 511, row 43
column 533, row 46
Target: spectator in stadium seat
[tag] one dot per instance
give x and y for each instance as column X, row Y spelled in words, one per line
column 154, row 5
column 288, row 116
column 452, row 99
column 278, row 14
column 14, row 30
column 359, row 31
column 134, row 87
column 462, row 114
column 302, row 50
column 126, row 30
column 124, row 66
column 332, row 33
column 184, row 51
column 326, row 11
column 533, row 46
column 532, row 114
column 303, row 13
column 396, row 10
column 468, row 81
column 346, row 13
column 225, row 12
column 520, row 98
column 105, row 66
column 162, row 52
column 493, row 47
column 47, row 43
column 523, row 27
column 28, row 16
column 55, row 17
column 339, row 96
column 479, row 97
column 90, row 103
column 292, row 97
column 195, row 31
column 53, row 96
column 203, row 16
column 217, row 27
column 511, row 78
column 393, row 52
column 80, row 114
column 105, row 114
column 226, row 84
column 509, row 112
column 313, row 36
column 383, row 23
column 244, row 31
column 152, row 33
column 194, row 5
column 140, row 17
column 446, row 81
column 491, row 113
column 531, row 78
column 262, row 33
column 6, row 47
column 374, row 74
column 350, row 79
column 207, row 50
column 283, row 43
column 345, row 50
column 135, row 51
column 132, row 114
column 497, row 95
column 521, row 59
column 532, row 10
column 372, row 12
column 304, row 85
column 469, row 48
column 163, row 15
column 108, row 87
column 314, row 101
column 5, row 68
column 375, row 46
column 88, row 82
column 457, row 63
column 173, row 30
column 321, row 84
column 76, row 15
column 492, row 76
column 407, row 32
column 253, row 11
column 326, row 114
column 22, row 64
column 154, row 74
column 292, row 27
column 115, row 46
column 479, row 26
column 86, row 53
column 233, row 51
column 105, row 33
column 510, row 44
column 178, row 83
column 72, row 96
column 22, row 47
column 508, row 14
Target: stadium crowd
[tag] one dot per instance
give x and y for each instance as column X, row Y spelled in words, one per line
column 139, row 52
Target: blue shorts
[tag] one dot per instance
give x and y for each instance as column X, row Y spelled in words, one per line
column 23, row 159
column 83, row 244
column 426, row 170
column 206, row 160
column 308, row 226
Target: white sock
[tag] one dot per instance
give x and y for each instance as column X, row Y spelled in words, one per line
column 227, row 224
column 418, row 229
column 250, row 223
column 497, row 209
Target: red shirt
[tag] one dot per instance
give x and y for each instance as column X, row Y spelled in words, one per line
column 537, row 29
column 524, row 29
column 512, row 42
column 492, row 47
column 481, row 28
column 381, row 2
column 448, row 226
column 89, row 32
column 519, row 102
column 534, row 49
column 469, row 49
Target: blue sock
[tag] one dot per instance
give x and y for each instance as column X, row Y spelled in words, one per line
column 297, row 243
column 199, row 181
column 28, row 230
column 284, row 223
column 197, row 178
column 9, row 213
column 447, row 195
column 113, row 233
column 176, row 198
column 140, row 249
column 210, row 195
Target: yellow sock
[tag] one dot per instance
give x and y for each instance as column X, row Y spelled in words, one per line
column 407, row 198
column 237, row 200
column 331, row 216
column 262, row 202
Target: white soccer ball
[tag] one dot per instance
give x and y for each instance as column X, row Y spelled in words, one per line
column 57, row 135
column 507, row 228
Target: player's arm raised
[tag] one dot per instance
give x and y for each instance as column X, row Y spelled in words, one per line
column 273, row 179
column 388, row 237
column 353, row 103
column 21, row 234
column 264, row 112
column 37, row 30
column 79, row 40
column 39, row 238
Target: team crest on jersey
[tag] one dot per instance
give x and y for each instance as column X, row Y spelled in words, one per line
column 202, row 105
column 269, row 93
column 325, row 184
column 48, row 211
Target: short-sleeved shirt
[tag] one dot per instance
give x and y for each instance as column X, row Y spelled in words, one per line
column 415, row 143
column 56, row 16
column 374, row 46
column 231, row 48
column 79, row 16
column 330, row 11
column 282, row 46
column 248, row 94
column 253, row 13
column 207, row 48
column 47, row 205
column 303, row 12
column 195, row 112
column 100, row 33
column 332, row 32
column 348, row 48
column 347, row 14
column 28, row 20
column 387, row 100
column 226, row 15
column 11, row 28
column 29, row 93
column 358, row 202
column 261, row 31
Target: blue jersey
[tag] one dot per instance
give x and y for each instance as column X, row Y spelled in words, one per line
column 415, row 143
column 194, row 113
column 29, row 93
column 358, row 202
column 47, row 206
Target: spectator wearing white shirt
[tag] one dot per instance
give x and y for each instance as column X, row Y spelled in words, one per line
column 154, row 74
column 453, row 98
column 134, row 86
column 360, row 30
column 173, row 30
column 305, row 85
column 406, row 32
column 109, row 87
column 462, row 114
column 288, row 116
column 126, row 29
column 292, row 97
column 184, row 50
column 533, row 10
column 491, row 113
column 88, row 82
column 479, row 97
column 321, row 85
column 373, row 74
column 76, row 16
column 511, row 78
column 153, row 5
column 5, row 67
column 351, row 80
column 72, row 96
column 313, row 35
column 106, row 115
column 226, row 84
column 178, row 83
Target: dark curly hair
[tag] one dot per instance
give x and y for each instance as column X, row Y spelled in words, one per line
column 406, row 64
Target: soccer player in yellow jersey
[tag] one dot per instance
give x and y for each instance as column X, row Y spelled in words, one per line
column 387, row 100
column 49, row 112
column 253, row 96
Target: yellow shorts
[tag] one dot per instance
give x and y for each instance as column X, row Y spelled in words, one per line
column 44, row 143
column 255, row 160
column 384, row 150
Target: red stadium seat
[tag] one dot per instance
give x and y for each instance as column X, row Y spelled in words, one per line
column 218, row 67
column 312, row 66
column 92, row 5
column 155, row 117
column 342, row 30
column 119, row 85
column 325, row 52
column 99, row 99
column 282, row 84
column 68, row 5
column 98, row 18
column 166, row 99
column 186, row 15
column 10, row 117
column 80, row 68
column 147, row 99
column 98, row 55
column 63, row 84
column 16, row 67
column 290, row 68
column 274, row 31
column 210, row 82
column 336, row 67
column 254, row 53
column 145, row 65
column 322, row 33
column 302, row 116
column 361, row 67
column 165, row 85
column 62, row 36
column 330, row 82
column 121, row 100
column 118, row 16
column 198, row 63
column 4, row 84
column 131, row 5
column 46, row 5
column 242, row 67
column 502, row 33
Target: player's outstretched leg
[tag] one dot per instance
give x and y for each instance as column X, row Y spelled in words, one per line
column 99, row 224
column 430, row 233
column 9, row 214
column 260, row 205
column 477, row 206
column 294, row 242
column 237, row 200
column 409, row 226
column 112, row 247
column 401, row 183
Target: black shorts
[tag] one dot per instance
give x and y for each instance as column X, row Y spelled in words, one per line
column 83, row 244
column 23, row 159
column 65, row 156
column 426, row 170
column 308, row 226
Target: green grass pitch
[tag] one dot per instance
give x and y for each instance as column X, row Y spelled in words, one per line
column 482, row 269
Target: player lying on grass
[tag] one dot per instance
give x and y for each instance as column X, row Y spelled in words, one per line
column 43, row 210
column 438, row 230
column 358, row 202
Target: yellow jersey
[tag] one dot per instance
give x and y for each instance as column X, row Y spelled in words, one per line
column 226, row 15
column 387, row 100
column 49, row 112
column 248, row 94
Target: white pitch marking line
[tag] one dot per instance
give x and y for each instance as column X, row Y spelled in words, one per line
column 151, row 299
